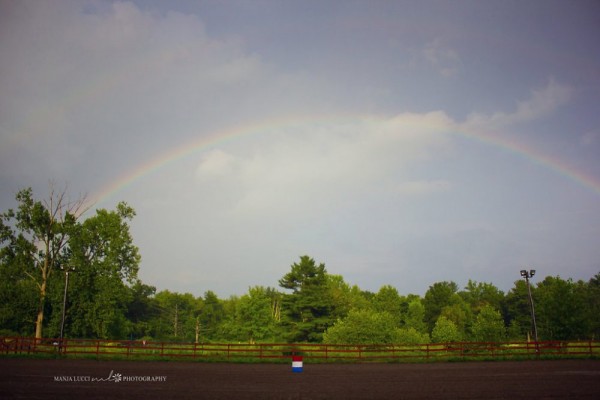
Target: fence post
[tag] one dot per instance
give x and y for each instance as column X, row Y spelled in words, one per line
column 97, row 348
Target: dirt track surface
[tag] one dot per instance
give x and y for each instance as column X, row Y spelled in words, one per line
column 88, row 379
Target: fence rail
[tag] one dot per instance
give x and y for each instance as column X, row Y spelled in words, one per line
column 137, row 349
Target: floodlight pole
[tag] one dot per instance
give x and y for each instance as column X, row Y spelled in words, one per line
column 528, row 274
column 62, row 324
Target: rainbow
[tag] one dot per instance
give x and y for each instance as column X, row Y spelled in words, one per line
column 117, row 74
column 273, row 125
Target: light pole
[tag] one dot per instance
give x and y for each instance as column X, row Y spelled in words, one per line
column 529, row 274
column 62, row 324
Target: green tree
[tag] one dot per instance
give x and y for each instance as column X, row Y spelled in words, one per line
column 189, row 318
column 359, row 299
column 411, row 336
column 388, row 299
column 35, row 238
column 212, row 315
column 253, row 318
column 106, row 265
column 514, row 331
column 178, row 316
column 460, row 313
column 342, row 297
column 415, row 316
column 593, row 308
column 479, row 294
column 560, row 309
column 142, row 308
column 445, row 331
column 18, row 292
column 164, row 325
column 438, row 296
column 517, row 311
column 363, row 327
column 309, row 309
column 489, row 326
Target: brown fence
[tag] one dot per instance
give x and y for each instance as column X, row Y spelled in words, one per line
column 137, row 349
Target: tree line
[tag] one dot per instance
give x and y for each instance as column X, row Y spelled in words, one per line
column 41, row 240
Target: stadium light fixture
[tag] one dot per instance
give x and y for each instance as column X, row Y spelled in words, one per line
column 528, row 274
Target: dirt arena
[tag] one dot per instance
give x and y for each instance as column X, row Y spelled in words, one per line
column 89, row 379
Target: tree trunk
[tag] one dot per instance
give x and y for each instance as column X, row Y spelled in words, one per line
column 40, row 316
column 175, row 323
column 38, row 324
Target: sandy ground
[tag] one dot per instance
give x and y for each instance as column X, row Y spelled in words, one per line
column 89, row 379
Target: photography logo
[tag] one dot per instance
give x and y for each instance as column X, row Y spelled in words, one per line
column 112, row 377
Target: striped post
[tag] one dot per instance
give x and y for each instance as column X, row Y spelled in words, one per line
column 296, row 363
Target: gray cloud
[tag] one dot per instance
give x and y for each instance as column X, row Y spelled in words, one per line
column 346, row 148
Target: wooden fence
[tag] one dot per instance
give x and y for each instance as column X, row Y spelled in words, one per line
column 275, row 352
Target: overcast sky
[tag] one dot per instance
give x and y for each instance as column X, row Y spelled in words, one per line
column 398, row 142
